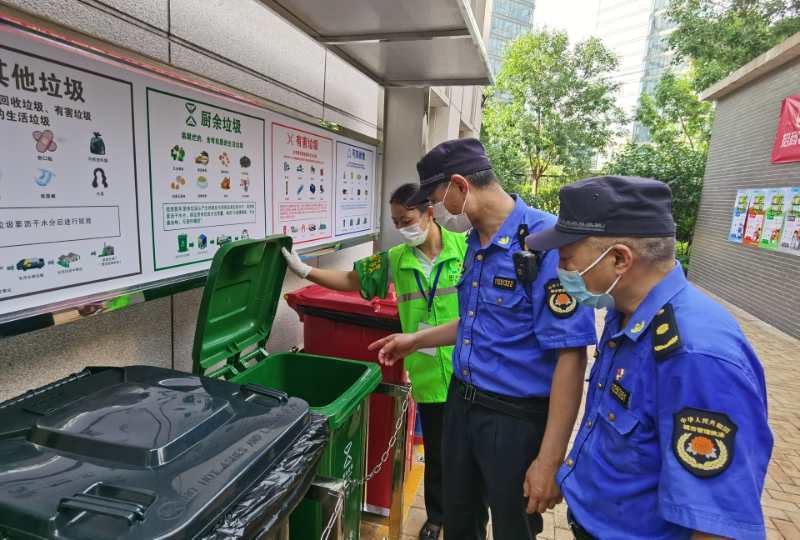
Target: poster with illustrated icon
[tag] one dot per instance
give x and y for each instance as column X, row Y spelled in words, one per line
column 206, row 177
column 68, row 186
column 118, row 177
column 756, row 212
column 302, row 185
column 775, row 212
column 355, row 181
column 790, row 234
column 740, row 206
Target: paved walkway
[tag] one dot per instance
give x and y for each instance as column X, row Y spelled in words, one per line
column 780, row 355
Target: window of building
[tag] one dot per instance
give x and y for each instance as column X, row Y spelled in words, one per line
column 507, row 28
column 516, row 10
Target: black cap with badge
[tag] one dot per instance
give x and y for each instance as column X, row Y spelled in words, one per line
column 609, row 206
column 459, row 156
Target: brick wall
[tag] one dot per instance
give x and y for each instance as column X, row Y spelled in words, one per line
column 766, row 284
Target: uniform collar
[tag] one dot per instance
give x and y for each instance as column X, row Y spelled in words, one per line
column 661, row 294
column 449, row 251
column 505, row 237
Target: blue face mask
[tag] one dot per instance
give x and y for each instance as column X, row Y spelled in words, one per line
column 575, row 286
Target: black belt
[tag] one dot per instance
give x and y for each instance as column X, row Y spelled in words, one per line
column 534, row 408
column 577, row 530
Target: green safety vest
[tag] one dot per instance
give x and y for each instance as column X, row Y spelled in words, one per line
column 430, row 375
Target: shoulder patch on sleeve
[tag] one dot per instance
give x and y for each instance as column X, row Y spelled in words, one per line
column 560, row 304
column 703, row 441
column 666, row 337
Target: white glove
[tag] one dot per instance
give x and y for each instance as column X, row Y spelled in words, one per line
column 296, row 265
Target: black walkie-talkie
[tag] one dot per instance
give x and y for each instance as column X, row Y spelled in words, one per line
column 526, row 263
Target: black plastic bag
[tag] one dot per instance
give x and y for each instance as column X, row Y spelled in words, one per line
column 270, row 502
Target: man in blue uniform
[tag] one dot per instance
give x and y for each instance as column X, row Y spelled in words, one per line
column 520, row 353
column 674, row 442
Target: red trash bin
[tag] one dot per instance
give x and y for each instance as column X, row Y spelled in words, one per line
column 342, row 324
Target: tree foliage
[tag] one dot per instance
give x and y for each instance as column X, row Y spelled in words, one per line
column 675, row 115
column 552, row 108
column 679, row 125
column 679, row 166
column 720, row 36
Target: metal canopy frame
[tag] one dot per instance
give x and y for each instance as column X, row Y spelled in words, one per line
column 397, row 43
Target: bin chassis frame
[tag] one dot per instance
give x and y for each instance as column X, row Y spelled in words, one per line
column 328, row 491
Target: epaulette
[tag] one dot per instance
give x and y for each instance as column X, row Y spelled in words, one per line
column 666, row 337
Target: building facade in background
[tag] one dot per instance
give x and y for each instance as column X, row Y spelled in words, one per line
column 761, row 279
column 510, row 19
column 636, row 30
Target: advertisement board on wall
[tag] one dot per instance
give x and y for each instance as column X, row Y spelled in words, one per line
column 117, row 177
column 68, row 178
column 355, row 182
column 790, row 236
column 303, row 193
column 206, row 177
column 740, row 206
column 756, row 212
column 771, row 221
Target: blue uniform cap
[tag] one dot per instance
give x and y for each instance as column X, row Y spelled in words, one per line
column 609, row 206
column 459, row 156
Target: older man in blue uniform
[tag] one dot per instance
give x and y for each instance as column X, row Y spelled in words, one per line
column 520, row 353
column 674, row 442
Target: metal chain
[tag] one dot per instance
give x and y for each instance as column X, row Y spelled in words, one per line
column 339, row 508
column 392, row 441
column 337, row 511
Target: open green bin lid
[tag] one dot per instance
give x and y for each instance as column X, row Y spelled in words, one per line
column 239, row 304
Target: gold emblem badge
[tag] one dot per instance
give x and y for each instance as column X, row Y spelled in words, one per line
column 703, row 441
column 638, row 327
column 561, row 304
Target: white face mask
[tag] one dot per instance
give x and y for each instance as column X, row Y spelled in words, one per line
column 414, row 235
column 454, row 223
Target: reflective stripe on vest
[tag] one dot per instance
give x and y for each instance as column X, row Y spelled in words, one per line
column 418, row 295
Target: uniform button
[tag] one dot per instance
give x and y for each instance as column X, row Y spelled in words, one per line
column 465, row 372
column 612, row 344
column 589, row 424
column 499, row 300
column 612, row 416
column 569, row 462
column 599, row 386
column 466, row 342
column 474, row 284
column 479, row 257
column 471, row 313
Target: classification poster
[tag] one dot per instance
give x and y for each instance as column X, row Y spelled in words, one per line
column 117, row 176
column 773, row 219
column 790, row 236
column 754, row 226
column 739, row 216
column 355, row 181
column 68, row 190
column 302, row 186
column 207, row 178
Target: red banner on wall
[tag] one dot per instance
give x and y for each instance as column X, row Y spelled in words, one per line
column 787, row 140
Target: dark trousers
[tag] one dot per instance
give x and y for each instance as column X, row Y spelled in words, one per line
column 577, row 529
column 432, row 415
column 487, row 455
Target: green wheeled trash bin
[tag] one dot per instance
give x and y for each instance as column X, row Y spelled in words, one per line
column 235, row 319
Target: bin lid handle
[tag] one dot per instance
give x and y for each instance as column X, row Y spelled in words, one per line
column 277, row 395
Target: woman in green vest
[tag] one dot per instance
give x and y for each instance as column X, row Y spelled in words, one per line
column 425, row 269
